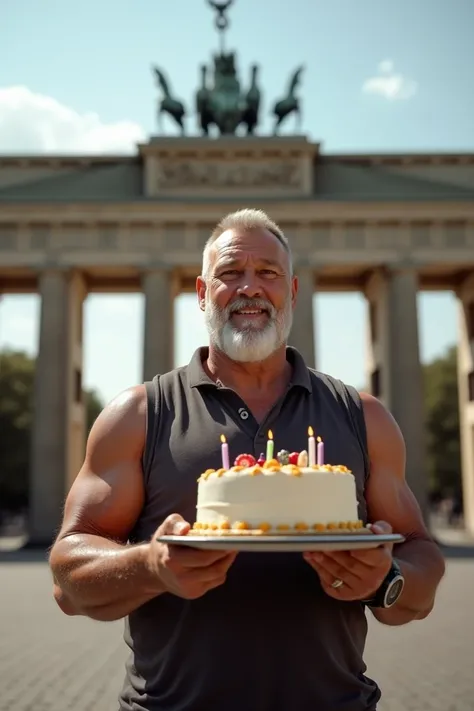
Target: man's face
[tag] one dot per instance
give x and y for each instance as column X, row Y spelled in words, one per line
column 249, row 295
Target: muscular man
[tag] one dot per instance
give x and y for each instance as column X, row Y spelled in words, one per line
column 213, row 630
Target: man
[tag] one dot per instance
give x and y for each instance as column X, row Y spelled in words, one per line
column 211, row 629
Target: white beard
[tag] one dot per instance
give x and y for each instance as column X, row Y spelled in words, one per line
column 248, row 343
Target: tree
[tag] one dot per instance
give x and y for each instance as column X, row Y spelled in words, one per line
column 442, row 424
column 17, row 372
column 16, row 387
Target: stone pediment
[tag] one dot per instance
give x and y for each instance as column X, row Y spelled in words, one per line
column 242, row 167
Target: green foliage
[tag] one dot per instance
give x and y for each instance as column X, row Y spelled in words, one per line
column 442, row 423
column 16, row 391
column 17, row 372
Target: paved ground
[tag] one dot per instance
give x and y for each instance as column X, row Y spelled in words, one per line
column 49, row 662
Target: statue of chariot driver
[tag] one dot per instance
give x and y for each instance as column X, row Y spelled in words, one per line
column 225, row 105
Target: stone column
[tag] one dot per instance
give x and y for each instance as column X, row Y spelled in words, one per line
column 57, row 443
column 394, row 369
column 466, row 396
column 302, row 332
column 158, row 346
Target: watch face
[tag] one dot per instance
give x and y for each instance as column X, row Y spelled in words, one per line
column 394, row 591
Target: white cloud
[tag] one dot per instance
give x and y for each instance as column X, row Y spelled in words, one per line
column 389, row 84
column 35, row 123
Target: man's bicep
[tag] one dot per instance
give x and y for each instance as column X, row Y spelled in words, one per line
column 388, row 495
column 107, row 496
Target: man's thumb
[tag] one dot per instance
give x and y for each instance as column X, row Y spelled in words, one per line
column 174, row 525
column 381, row 527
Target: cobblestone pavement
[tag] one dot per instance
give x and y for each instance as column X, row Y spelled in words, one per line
column 49, row 662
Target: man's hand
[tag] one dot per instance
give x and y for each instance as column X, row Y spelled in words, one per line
column 187, row 572
column 361, row 571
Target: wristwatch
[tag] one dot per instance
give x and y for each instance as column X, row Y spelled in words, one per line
column 390, row 590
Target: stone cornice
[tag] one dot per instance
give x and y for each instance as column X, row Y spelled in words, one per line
column 294, row 211
column 283, row 144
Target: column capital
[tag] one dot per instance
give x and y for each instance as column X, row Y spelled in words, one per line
column 465, row 290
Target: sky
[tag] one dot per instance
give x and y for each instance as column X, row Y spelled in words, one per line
column 379, row 76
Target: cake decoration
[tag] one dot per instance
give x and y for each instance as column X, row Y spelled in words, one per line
column 283, row 456
column 290, row 493
column 245, row 460
column 270, row 445
column 311, row 447
column 320, row 452
column 302, row 460
column 225, row 453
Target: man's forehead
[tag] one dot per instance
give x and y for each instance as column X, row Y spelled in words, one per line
column 256, row 241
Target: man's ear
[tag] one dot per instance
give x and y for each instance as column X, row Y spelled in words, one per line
column 294, row 290
column 201, row 292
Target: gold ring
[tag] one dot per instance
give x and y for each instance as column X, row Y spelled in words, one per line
column 337, row 584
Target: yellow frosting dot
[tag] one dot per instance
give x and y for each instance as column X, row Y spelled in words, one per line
column 241, row 526
column 293, row 470
column 301, row 527
column 319, row 527
column 271, row 463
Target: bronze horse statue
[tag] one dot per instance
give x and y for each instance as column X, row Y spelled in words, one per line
column 168, row 104
column 289, row 104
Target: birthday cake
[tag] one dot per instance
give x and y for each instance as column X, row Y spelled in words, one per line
column 293, row 493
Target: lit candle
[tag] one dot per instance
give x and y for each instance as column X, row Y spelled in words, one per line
column 225, row 453
column 311, row 447
column 320, row 452
column 270, row 445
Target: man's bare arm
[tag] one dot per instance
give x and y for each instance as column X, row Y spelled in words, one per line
column 95, row 572
column 390, row 499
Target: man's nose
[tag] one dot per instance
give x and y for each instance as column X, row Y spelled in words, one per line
column 250, row 287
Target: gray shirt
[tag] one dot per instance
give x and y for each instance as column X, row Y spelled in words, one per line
column 269, row 639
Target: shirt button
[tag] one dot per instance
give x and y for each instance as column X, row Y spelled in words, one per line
column 243, row 414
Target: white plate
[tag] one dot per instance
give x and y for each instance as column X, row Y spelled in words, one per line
column 285, row 544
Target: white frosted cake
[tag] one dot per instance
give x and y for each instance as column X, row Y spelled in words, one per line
column 277, row 497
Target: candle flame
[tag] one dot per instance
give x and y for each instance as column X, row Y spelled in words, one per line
column 310, row 431
column 319, row 439
column 270, row 434
column 223, row 439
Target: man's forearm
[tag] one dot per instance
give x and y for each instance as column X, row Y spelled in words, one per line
column 422, row 565
column 101, row 579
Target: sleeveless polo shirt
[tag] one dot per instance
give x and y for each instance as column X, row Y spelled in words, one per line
column 269, row 639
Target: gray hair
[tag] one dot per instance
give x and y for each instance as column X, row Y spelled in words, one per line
column 247, row 219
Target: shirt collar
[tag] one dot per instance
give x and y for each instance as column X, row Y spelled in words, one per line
column 197, row 376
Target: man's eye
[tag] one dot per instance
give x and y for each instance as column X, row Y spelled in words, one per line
column 229, row 272
column 268, row 272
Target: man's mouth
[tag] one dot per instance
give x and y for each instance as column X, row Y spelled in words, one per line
column 250, row 312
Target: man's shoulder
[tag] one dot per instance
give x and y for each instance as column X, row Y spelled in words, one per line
column 336, row 386
column 179, row 373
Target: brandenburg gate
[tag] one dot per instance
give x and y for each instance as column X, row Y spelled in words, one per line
column 385, row 225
